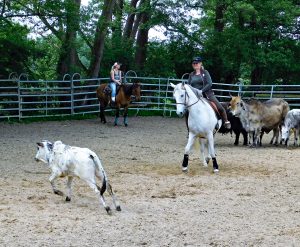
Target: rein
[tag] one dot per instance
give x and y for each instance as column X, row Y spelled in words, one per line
column 185, row 104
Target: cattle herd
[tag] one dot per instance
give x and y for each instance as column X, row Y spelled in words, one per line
column 253, row 118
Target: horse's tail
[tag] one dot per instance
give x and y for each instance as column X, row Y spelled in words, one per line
column 100, row 173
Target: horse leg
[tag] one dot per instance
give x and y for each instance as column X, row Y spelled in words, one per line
column 210, row 138
column 117, row 115
column 69, row 189
column 125, row 116
column 187, row 151
column 102, row 116
column 205, row 160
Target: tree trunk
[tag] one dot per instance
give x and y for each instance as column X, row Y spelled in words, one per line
column 256, row 75
column 102, row 26
column 117, row 24
column 219, row 11
column 137, row 21
column 141, row 43
column 68, row 58
column 219, row 28
column 130, row 20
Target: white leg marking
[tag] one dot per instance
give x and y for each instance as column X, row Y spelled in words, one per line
column 202, row 149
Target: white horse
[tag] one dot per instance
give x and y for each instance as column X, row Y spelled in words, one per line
column 202, row 122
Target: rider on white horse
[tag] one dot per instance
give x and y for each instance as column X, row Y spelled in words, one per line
column 200, row 79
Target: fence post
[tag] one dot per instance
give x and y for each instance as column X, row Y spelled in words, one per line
column 240, row 88
column 272, row 89
column 166, row 95
column 158, row 98
column 72, row 95
column 19, row 99
column 46, row 98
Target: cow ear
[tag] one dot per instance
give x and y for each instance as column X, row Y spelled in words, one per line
column 50, row 145
column 40, row 144
column 172, row 85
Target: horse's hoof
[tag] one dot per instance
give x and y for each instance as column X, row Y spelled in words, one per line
column 126, row 125
column 68, row 199
column 108, row 210
column 207, row 160
column 115, row 124
column 185, row 169
column 216, row 170
column 118, row 208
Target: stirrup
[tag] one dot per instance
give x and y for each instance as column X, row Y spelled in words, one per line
column 227, row 125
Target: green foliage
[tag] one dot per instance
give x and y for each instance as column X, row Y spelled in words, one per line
column 42, row 66
column 159, row 61
column 257, row 35
column 15, row 48
column 255, row 41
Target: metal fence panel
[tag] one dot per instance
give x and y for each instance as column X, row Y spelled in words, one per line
column 26, row 99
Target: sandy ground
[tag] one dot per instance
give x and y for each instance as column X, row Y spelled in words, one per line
column 253, row 201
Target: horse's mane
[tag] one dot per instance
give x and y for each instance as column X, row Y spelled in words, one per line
column 128, row 88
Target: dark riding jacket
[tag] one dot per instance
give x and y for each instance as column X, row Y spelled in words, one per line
column 202, row 82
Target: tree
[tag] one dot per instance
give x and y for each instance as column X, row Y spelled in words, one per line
column 102, row 26
column 15, row 48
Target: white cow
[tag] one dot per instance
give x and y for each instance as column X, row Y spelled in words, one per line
column 292, row 120
column 64, row 160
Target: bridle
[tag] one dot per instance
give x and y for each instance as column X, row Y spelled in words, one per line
column 185, row 96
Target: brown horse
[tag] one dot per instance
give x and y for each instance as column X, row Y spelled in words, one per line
column 123, row 98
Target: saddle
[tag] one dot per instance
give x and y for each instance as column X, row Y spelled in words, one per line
column 107, row 90
column 215, row 108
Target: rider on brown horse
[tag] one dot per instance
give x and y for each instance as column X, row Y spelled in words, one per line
column 115, row 79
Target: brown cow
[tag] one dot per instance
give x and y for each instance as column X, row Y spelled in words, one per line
column 258, row 117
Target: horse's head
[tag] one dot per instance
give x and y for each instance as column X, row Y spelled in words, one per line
column 180, row 95
column 136, row 91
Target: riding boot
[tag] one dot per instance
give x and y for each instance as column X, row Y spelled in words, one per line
column 113, row 102
column 227, row 124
